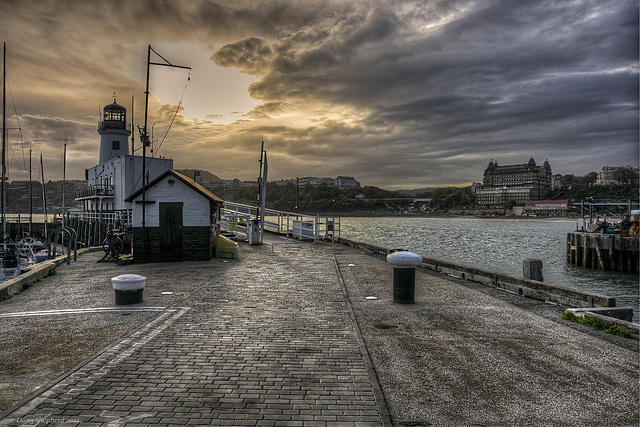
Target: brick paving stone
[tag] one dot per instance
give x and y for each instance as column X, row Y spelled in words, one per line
column 268, row 340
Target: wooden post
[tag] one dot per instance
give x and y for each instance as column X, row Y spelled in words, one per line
column 532, row 269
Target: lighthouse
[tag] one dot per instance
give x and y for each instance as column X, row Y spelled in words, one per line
column 114, row 135
column 118, row 172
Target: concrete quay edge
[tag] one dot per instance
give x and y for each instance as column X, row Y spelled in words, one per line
column 587, row 304
column 524, row 287
column 609, row 319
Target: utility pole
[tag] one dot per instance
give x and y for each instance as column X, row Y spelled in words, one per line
column 259, row 204
column 144, row 138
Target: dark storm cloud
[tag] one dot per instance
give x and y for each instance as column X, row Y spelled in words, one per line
column 509, row 78
column 412, row 92
column 251, row 55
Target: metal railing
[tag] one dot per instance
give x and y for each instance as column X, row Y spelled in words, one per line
column 122, row 216
column 94, row 191
column 299, row 226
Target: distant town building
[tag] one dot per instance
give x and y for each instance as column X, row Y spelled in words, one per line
column 343, row 182
column 609, row 175
column 503, row 195
column 514, row 183
column 475, row 186
column 547, row 207
column 346, row 182
column 561, row 182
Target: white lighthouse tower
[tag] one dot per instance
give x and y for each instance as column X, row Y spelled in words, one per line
column 114, row 135
column 118, row 173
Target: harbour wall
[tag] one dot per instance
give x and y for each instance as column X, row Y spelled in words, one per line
column 525, row 287
column 609, row 252
column 34, row 273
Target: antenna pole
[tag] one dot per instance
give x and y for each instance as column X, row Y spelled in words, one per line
column 144, row 138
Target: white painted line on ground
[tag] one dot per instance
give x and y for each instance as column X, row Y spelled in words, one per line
column 79, row 310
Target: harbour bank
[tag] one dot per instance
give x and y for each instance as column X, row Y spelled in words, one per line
column 285, row 335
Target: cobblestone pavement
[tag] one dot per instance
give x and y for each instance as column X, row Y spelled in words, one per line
column 304, row 334
column 269, row 341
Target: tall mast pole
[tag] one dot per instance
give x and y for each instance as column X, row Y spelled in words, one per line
column 44, row 200
column 259, row 182
column 144, row 138
column 30, row 197
column 4, row 131
column 64, row 173
column 133, row 134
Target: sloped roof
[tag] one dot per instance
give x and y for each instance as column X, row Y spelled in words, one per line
column 188, row 181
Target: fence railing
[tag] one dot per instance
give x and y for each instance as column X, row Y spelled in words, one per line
column 300, row 226
column 122, row 216
column 94, row 191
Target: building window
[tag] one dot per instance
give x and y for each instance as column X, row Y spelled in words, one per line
column 115, row 145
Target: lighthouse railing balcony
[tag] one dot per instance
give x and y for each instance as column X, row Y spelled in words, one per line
column 93, row 191
column 112, row 124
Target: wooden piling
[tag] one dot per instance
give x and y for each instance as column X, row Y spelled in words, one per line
column 532, row 269
column 608, row 252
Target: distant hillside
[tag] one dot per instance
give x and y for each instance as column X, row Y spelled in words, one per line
column 205, row 175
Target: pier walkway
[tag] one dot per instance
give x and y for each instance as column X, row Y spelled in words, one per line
column 285, row 335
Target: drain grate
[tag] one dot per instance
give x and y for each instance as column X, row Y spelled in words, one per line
column 384, row 326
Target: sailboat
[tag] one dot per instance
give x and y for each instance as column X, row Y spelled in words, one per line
column 12, row 257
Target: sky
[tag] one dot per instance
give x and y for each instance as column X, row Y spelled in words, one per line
column 398, row 94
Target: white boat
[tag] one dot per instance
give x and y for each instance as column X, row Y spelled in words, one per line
column 9, row 267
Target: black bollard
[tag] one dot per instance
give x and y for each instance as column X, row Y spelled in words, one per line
column 404, row 285
column 404, row 275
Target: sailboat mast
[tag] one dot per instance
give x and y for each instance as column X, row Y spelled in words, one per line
column 133, row 134
column 64, row 174
column 30, row 197
column 44, row 199
column 4, row 131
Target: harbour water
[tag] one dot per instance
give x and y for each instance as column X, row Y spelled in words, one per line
column 495, row 244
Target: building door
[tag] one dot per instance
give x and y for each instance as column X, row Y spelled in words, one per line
column 170, row 231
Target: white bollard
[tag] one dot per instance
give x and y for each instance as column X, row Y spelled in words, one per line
column 128, row 288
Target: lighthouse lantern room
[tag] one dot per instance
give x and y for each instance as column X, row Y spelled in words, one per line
column 114, row 135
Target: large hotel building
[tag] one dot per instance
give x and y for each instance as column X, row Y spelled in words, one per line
column 517, row 183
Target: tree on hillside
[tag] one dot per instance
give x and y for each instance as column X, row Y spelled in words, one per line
column 625, row 176
column 452, row 197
